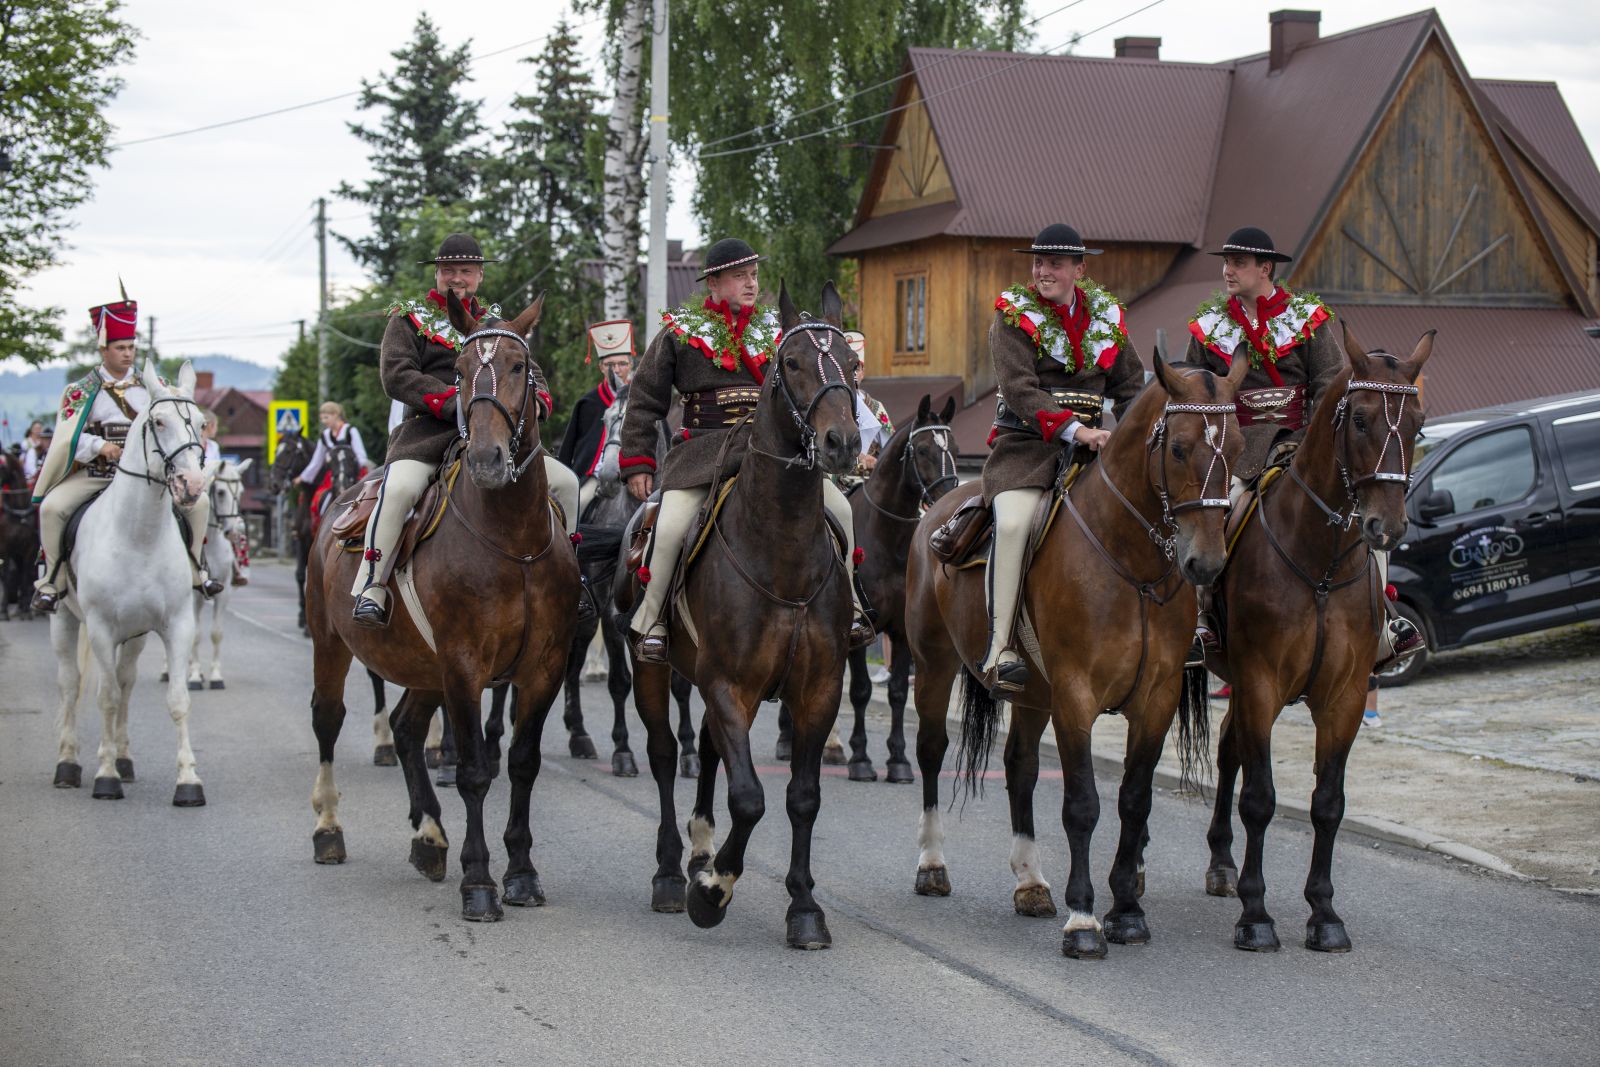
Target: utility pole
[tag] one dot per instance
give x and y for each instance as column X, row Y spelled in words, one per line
column 151, row 343
column 302, row 323
column 322, row 298
column 655, row 288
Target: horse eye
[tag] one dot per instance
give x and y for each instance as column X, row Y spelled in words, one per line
column 1361, row 421
column 1179, row 453
column 791, row 363
column 516, row 368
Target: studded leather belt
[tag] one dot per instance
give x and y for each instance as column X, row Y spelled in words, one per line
column 1086, row 407
column 1283, row 406
column 719, row 409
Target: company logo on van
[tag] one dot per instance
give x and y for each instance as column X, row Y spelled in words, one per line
column 1485, row 547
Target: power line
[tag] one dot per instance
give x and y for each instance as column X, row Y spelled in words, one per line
column 782, row 141
column 323, row 100
column 352, row 340
column 861, row 92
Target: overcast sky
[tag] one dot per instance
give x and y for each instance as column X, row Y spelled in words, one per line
column 212, row 232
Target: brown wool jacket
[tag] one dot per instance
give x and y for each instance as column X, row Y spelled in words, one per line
column 691, row 462
column 412, row 367
column 1314, row 362
column 1026, row 459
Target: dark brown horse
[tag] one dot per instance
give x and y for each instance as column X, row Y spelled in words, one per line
column 498, row 583
column 19, row 537
column 1110, row 602
column 769, row 598
column 1303, row 604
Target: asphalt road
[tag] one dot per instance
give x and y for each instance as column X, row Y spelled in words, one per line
column 134, row 932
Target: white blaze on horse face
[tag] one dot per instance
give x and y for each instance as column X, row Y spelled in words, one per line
column 702, row 837
column 1025, row 862
column 930, row 839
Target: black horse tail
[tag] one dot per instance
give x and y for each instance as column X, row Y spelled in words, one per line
column 1194, row 729
column 598, row 544
column 980, row 721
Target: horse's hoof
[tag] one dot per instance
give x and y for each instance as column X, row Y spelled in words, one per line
column 1138, row 884
column 68, row 775
column 1222, row 882
column 1033, row 901
column 195, row 685
column 933, row 881
column 428, row 858
column 523, row 890
column 623, row 766
column 581, row 746
column 478, row 904
column 107, row 789
column 863, row 771
column 833, row 755
column 327, row 846
column 431, row 756
column 688, row 765
column 218, row 683
column 667, row 892
column 447, row 775
column 1127, row 929
column 1327, row 937
column 898, row 772
column 785, row 750
column 189, row 795
column 706, row 904
column 125, row 769
column 1255, row 937
column 1083, row 944
column 384, row 756
column 809, row 930
column 165, row 677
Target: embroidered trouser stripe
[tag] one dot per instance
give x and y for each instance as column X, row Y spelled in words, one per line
column 1013, row 520
column 564, row 487
column 678, row 508
column 403, row 485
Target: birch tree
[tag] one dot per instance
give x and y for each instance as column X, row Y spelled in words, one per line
column 623, row 193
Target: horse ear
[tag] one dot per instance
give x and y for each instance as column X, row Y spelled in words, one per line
column 1236, row 372
column 924, row 408
column 949, row 411
column 151, row 379
column 524, row 323
column 212, row 468
column 1354, row 353
column 246, row 464
column 464, row 323
column 1159, row 365
column 832, row 306
column 186, row 378
column 787, row 315
column 1420, row 355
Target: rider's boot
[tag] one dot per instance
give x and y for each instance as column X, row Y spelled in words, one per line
column 564, row 487
column 45, row 594
column 649, row 629
column 862, row 621
column 404, row 482
column 1205, row 627
column 1003, row 669
column 372, row 607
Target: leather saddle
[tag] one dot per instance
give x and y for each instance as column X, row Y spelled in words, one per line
column 352, row 511
column 963, row 539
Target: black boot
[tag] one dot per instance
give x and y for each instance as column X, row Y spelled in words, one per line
column 369, row 613
column 587, row 609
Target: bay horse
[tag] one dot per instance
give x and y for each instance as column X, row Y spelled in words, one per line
column 130, row 577
column 601, row 527
column 288, row 463
column 226, row 521
column 1114, row 573
column 772, row 614
column 1303, row 604
column 19, row 537
column 498, row 581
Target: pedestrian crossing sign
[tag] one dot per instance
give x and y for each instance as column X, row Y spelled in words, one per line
column 285, row 418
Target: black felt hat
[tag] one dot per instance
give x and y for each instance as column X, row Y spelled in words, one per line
column 1058, row 239
column 458, row 248
column 726, row 254
column 1251, row 241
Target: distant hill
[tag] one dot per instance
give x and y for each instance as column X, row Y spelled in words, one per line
column 30, row 395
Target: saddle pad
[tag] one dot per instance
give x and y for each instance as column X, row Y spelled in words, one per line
column 420, row 525
column 1236, row 525
column 1065, row 484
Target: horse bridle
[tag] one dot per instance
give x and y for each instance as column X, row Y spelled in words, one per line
column 169, row 460
column 1347, row 519
column 926, row 491
column 1216, row 437
column 218, row 517
column 820, row 334
column 486, row 354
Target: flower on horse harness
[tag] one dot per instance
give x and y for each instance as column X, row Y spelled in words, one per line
column 644, row 575
column 577, row 538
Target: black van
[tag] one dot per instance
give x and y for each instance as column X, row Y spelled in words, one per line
column 1505, row 524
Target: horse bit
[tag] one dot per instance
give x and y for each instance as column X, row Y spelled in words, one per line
column 486, row 354
column 819, row 333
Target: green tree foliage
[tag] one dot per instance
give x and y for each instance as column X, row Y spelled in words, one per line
column 56, row 62
column 422, row 148
column 790, row 67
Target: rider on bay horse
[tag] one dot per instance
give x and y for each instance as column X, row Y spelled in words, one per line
column 336, row 435
column 1292, row 360
column 91, row 430
column 1060, row 348
column 715, row 356
column 417, row 364
column 585, row 440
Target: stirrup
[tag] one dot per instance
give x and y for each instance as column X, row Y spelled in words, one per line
column 369, row 612
column 1006, row 676
column 209, row 588
column 1205, row 635
column 587, row 609
column 861, row 633
column 43, row 602
column 650, row 647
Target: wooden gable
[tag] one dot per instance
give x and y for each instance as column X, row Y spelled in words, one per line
column 913, row 174
column 1430, row 213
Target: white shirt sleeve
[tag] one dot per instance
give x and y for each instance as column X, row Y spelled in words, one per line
column 1069, row 432
column 313, row 469
column 89, row 444
column 397, row 414
column 30, row 463
column 358, row 447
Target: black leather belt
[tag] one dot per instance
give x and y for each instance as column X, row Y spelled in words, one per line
column 1088, row 408
column 719, row 409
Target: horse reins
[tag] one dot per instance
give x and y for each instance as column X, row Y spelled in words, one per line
column 823, row 345
column 486, row 354
column 169, row 460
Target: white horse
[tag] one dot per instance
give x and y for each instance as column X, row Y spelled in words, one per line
column 225, row 524
column 130, row 577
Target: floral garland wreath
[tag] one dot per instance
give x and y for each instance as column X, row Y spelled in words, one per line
column 1049, row 335
column 709, row 332
column 433, row 323
column 1303, row 305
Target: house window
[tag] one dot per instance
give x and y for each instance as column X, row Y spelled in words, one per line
column 911, row 315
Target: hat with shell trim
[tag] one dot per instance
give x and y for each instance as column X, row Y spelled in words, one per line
column 726, row 254
column 1058, row 239
column 458, row 248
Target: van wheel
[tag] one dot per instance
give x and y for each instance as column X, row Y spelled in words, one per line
column 1405, row 672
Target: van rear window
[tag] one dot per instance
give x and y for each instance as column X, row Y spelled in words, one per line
column 1578, row 437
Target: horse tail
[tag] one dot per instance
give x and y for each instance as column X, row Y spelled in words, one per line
column 1194, row 729
column 980, row 721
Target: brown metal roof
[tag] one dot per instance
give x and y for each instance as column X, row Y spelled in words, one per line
column 897, row 228
column 1538, row 113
